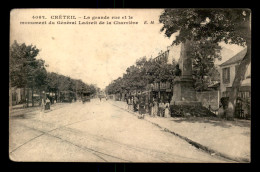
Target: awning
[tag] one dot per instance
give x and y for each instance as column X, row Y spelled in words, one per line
column 215, row 85
column 246, row 82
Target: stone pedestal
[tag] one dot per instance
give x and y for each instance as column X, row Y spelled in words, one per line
column 184, row 93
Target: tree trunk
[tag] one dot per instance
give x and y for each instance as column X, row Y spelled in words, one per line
column 237, row 82
column 27, row 102
column 245, row 29
column 58, row 96
column 32, row 98
column 24, row 96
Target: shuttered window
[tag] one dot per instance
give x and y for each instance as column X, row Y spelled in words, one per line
column 226, row 75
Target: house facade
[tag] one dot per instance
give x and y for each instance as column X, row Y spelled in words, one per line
column 228, row 71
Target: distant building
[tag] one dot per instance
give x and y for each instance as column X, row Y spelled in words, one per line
column 166, row 56
column 17, row 95
column 227, row 72
column 163, row 90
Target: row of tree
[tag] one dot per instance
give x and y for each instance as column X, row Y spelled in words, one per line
column 30, row 73
column 140, row 75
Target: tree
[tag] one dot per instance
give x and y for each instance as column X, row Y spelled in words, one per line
column 138, row 76
column 228, row 25
column 25, row 70
column 203, row 54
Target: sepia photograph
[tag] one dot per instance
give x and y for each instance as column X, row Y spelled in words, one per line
column 130, row 85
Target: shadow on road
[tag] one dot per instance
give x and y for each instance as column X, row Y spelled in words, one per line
column 22, row 116
column 214, row 121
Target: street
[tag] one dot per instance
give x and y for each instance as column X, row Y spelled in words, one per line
column 95, row 132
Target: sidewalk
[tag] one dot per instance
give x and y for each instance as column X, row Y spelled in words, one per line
column 229, row 139
column 22, row 111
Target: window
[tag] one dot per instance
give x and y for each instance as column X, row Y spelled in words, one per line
column 226, row 75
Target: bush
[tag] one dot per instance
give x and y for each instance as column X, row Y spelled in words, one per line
column 182, row 110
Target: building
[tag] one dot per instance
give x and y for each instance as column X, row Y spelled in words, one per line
column 166, row 56
column 227, row 72
column 163, row 90
column 17, row 95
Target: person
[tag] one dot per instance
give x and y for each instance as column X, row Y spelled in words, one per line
column 167, row 110
column 131, row 103
column 155, row 108
column 128, row 103
column 47, row 106
column 135, row 104
column 142, row 108
column 150, row 105
column 126, row 100
column 100, row 98
column 160, row 109
column 163, row 109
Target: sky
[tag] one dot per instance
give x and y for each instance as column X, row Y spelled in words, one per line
column 96, row 54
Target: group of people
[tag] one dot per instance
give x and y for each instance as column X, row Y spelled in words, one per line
column 46, row 104
column 155, row 108
column 161, row 109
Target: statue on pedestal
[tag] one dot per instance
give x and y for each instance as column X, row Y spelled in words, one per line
column 183, row 91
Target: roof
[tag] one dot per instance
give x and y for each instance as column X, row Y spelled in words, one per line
column 214, row 85
column 236, row 58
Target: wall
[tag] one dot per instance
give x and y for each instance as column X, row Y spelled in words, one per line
column 209, row 98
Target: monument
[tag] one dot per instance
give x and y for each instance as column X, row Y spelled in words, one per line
column 183, row 91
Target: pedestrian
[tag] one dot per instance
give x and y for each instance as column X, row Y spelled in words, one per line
column 141, row 108
column 150, row 105
column 131, row 103
column 135, row 104
column 163, row 109
column 155, row 108
column 167, row 110
column 48, row 107
column 160, row 109
column 100, row 98
column 126, row 99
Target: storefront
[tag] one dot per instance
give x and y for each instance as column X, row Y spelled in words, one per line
column 162, row 92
